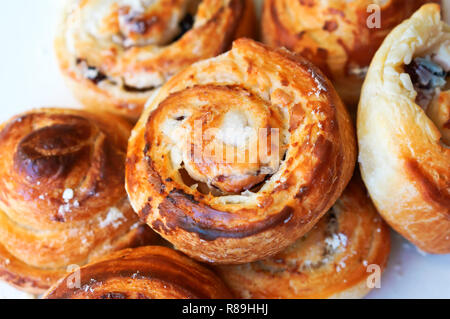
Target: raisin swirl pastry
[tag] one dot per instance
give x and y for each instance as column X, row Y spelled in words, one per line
column 116, row 53
column 238, row 156
column 150, row 272
column 404, row 130
column 339, row 36
column 331, row 261
column 62, row 196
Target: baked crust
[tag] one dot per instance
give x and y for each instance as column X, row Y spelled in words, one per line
column 404, row 153
column 114, row 55
column 334, row 35
column 151, row 272
column 252, row 209
column 333, row 260
column 62, row 199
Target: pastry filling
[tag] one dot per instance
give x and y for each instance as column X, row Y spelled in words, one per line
column 91, row 73
column 133, row 89
column 96, row 76
column 427, row 76
column 156, row 23
column 185, row 25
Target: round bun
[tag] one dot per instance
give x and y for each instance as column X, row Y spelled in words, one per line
column 340, row 36
column 333, row 260
column 404, row 130
column 115, row 54
column 151, row 272
column 62, row 196
column 238, row 156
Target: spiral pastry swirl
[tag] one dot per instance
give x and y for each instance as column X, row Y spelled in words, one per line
column 404, row 130
column 62, row 198
column 340, row 37
column 151, row 272
column 333, row 260
column 292, row 149
column 116, row 53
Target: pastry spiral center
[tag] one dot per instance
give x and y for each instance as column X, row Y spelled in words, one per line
column 224, row 137
column 148, row 22
column 50, row 150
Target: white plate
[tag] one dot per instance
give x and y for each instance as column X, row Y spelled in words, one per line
column 29, row 78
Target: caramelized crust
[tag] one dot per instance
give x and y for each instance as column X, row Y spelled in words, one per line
column 404, row 147
column 336, row 35
column 333, row 260
column 115, row 54
column 252, row 206
column 150, row 272
column 62, row 198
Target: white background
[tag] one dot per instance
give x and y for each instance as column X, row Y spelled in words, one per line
column 29, row 78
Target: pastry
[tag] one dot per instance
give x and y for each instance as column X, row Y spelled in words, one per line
column 404, row 130
column 151, row 272
column 115, row 54
column 336, row 259
column 238, row 156
column 339, row 36
column 62, row 196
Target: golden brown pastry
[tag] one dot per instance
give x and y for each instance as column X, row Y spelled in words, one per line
column 333, row 260
column 238, row 156
column 151, row 272
column 404, row 130
column 62, row 196
column 116, row 53
column 339, row 36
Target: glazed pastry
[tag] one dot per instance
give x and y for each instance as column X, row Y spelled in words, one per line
column 339, row 36
column 404, row 130
column 238, row 156
column 333, row 260
column 116, row 53
column 151, row 272
column 62, row 198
